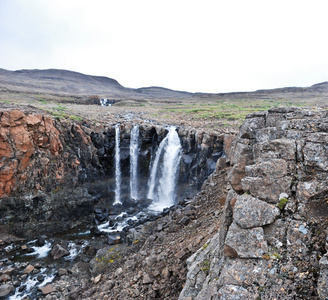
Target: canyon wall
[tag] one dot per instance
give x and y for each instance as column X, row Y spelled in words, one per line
column 272, row 238
column 53, row 171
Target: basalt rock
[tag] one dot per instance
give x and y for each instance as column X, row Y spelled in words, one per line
column 54, row 171
column 271, row 243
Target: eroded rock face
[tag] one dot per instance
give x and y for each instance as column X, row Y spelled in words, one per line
column 276, row 211
column 53, row 171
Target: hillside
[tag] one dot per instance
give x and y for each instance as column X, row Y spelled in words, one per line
column 53, row 81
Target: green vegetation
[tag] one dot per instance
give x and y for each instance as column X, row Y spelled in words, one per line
column 5, row 101
column 76, row 118
column 282, row 203
column 109, row 257
column 205, row 246
column 59, row 108
column 231, row 110
column 205, row 266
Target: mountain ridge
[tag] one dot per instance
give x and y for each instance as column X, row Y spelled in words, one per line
column 59, row 81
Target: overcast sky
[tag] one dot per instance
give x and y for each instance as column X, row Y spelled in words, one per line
column 197, row 46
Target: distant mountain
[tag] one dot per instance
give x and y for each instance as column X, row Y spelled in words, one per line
column 63, row 82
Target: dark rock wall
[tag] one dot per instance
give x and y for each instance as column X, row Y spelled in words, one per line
column 53, row 171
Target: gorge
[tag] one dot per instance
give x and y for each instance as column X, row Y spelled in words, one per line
column 245, row 213
column 57, row 176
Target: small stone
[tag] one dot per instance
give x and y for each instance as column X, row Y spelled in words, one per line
column 151, row 260
column 7, row 271
column 185, row 221
column 59, row 251
column 230, row 252
column 118, row 271
column 95, row 231
column 147, row 279
column 28, row 269
column 97, row 278
column 113, row 239
column 62, row 272
column 4, row 278
column 180, row 254
column 48, row 289
column 6, row 289
column 40, row 277
column 40, row 241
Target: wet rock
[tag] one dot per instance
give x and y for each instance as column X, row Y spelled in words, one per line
column 6, row 289
column 58, row 251
column 101, row 214
column 248, row 243
column 40, row 241
column 250, row 212
column 95, row 231
column 40, row 278
column 113, row 239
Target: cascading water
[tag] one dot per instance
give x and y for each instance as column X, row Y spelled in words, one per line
column 164, row 172
column 154, row 169
column 134, row 153
column 118, row 179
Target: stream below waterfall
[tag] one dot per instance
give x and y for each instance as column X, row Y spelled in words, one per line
column 32, row 264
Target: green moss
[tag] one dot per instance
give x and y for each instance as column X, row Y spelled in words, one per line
column 76, row 118
column 205, row 266
column 282, row 203
column 205, row 246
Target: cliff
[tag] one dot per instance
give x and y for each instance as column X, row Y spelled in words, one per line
column 272, row 238
column 54, row 171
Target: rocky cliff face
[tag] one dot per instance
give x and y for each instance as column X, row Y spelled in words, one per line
column 53, row 171
column 272, row 239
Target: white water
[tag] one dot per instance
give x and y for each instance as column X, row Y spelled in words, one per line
column 120, row 225
column 134, row 153
column 30, row 284
column 42, row 251
column 118, row 179
column 154, row 169
column 165, row 178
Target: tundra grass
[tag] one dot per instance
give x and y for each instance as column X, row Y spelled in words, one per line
column 231, row 110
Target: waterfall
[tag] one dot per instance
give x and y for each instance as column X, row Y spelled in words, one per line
column 134, row 152
column 118, row 179
column 164, row 171
column 154, row 169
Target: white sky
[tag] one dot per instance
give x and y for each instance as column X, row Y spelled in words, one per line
column 197, row 46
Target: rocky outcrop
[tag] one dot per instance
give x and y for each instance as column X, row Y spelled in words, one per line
column 271, row 243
